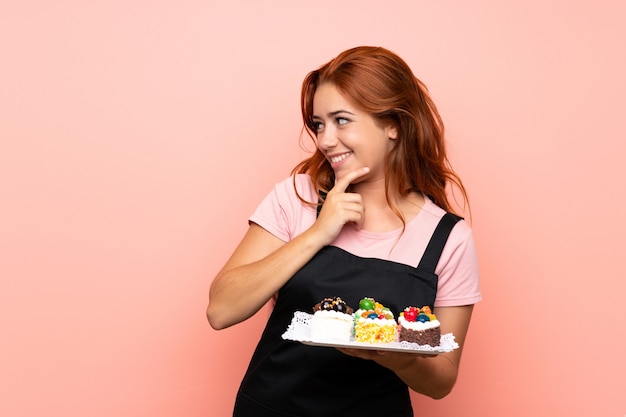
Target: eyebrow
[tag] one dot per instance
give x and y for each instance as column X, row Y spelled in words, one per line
column 335, row 113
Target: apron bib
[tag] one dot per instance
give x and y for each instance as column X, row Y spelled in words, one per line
column 289, row 379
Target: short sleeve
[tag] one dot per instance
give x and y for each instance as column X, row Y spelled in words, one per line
column 282, row 213
column 458, row 270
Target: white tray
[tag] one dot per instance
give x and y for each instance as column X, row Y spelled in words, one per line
column 299, row 331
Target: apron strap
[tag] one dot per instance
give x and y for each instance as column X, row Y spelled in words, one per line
column 437, row 242
column 320, row 201
column 435, row 245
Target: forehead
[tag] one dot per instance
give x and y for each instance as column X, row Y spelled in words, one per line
column 328, row 99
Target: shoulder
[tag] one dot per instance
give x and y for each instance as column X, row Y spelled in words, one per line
column 286, row 212
column 433, row 214
column 296, row 185
column 457, row 269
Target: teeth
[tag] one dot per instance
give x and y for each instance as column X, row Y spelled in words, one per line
column 338, row 158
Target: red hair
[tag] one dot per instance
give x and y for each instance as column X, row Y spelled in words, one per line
column 380, row 83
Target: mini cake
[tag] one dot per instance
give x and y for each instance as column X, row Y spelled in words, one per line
column 332, row 320
column 419, row 325
column 374, row 323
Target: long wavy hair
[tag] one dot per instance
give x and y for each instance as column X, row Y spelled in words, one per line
column 380, row 83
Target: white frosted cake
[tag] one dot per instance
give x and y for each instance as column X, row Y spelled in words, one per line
column 332, row 320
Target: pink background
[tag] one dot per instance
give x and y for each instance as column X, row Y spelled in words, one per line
column 137, row 136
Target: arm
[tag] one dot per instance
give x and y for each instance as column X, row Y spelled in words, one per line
column 262, row 263
column 258, row 268
column 433, row 376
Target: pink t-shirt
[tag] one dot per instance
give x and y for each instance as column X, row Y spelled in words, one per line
column 282, row 214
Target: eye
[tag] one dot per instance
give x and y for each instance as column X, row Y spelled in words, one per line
column 317, row 125
column 341, row 120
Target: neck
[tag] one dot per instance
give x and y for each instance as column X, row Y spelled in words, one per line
column 372, row 192
column 379, row 215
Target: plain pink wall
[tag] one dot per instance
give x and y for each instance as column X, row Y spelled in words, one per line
column 137, row 136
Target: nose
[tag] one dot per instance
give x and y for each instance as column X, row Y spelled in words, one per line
column 327, row 139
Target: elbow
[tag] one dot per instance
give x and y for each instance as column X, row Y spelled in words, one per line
column 442, row 390
column 216, row 321
column 438, row 387
column 221, row 318
column 216, row 314
column 438, row 395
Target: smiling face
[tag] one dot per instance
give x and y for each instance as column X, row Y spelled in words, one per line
column 348, row 137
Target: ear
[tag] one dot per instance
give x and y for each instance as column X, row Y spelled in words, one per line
column 392, row 132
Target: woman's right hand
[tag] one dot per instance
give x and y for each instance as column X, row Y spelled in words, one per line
column 340, row 208
column 262, row 263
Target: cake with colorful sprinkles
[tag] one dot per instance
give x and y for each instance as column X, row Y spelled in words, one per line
column 374, row 323
column 419, row 325
column 332, row 320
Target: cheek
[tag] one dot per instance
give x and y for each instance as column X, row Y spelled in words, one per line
column 353, row 138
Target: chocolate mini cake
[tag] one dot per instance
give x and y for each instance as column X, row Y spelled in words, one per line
column 419, row 326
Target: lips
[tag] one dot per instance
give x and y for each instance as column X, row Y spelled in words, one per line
column 335, row 159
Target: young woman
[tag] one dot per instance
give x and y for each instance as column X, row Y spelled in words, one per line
column 367, row 215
